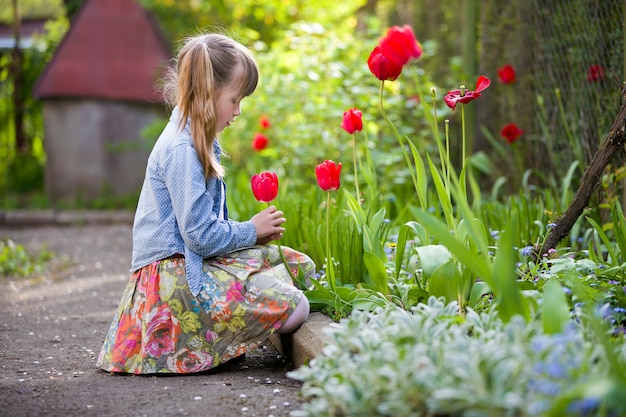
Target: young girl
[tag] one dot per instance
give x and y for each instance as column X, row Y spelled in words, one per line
column 204, row 289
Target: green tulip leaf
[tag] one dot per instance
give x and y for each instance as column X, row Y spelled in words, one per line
column 510, row 300
column 605, row 239
column 318, row 285
column 377, row 272
column 555, row 310
column 619, row 229
column 479, row 289
column 444, row 282
column 346, row 295
column 566, row 193
column 432, row 257
column 466, row 283
column 442, row 193
column 480, row 266
column 318, row 299
column 377, row 219
column 416, row 295
column 422, row 179
column 403, row 236
column 371, row 303
column 355, row 209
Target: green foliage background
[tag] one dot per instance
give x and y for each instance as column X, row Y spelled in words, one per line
column 31, row 9
column 313, row 59
column 21, row 173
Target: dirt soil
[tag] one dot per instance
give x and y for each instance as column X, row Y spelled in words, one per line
column 52, row 327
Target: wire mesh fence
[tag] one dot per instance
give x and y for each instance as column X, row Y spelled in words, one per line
column 569, row 57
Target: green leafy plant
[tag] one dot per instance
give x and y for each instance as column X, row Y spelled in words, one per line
column 21, row 172
column 16, row 261
column 424, row 362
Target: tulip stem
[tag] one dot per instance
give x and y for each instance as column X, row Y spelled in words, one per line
column 447, row 171
column 282, row 257
column 356, row 178
column 328, row 225
column 395, row 131
column 330, row 273
column 463, row 132
column 297, row 280
column 464, row 173
column 432, row 119
column 445, row 161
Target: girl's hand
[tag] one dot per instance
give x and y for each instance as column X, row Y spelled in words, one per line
column 268, row 225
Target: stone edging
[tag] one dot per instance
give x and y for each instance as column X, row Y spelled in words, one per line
column 305, row 343
column 66, row 217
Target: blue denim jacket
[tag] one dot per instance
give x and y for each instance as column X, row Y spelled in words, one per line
column 181, row 213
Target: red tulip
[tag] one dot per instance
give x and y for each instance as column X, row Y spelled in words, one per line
column 511, row 132
column 595, row 73
column 328, row 174
column 265, row 186
column 264, row 122
column 458, row 96
column 506, row 74
column 400, row 46
column 382, row 67
column 352, row 121
column 259, row 142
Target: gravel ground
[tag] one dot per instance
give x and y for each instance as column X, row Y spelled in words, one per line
column 52, row 327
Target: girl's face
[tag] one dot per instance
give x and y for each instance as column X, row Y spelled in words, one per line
column 228, row 103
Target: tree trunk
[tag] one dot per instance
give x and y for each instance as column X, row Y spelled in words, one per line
column 591, row 178
column 365, row 11
column 21, row 143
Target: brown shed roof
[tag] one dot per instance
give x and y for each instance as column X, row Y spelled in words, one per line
column 113, row 50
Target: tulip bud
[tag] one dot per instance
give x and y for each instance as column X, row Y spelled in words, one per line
column 352, row 121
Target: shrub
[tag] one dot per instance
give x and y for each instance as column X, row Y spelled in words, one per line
column 16, row 261
column 429, row 362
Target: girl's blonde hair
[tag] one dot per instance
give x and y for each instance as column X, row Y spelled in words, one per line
column 206, row 64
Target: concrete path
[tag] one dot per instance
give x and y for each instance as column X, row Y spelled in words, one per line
column 52, row 327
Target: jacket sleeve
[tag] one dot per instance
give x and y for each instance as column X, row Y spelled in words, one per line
column 197, row 216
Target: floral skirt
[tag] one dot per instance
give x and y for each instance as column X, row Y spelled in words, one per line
column 160, row 327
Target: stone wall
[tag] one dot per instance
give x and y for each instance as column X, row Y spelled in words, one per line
column 95, row 147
